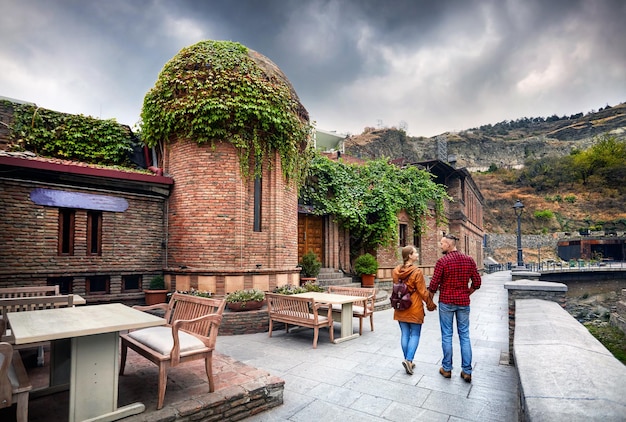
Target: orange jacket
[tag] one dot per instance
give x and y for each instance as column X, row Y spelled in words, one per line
column 414, row 278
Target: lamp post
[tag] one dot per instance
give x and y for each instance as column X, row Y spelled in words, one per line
column 519, row 208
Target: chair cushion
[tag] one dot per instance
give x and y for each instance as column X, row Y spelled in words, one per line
column 160, row 339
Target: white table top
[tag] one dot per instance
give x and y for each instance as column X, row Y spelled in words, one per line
column 53, row 324
column 331, row 298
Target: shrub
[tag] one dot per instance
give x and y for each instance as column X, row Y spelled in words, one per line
column 310, row 265
column 544, row 215
column 570, row 198
column 157, row 283
column 365, row 264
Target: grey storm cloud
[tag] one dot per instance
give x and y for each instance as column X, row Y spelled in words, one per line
column 435, row 65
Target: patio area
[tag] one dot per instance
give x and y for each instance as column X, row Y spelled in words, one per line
column 241, row 391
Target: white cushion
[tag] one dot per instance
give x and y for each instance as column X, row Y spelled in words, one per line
column 160, row 339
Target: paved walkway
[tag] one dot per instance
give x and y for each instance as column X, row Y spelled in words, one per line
column 363, row 379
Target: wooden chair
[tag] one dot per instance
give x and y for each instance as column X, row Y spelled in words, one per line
column 29, row 303
column 360, row 310
column 189, row 334
column 14, row 383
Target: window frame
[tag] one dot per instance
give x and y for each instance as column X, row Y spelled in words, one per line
column 66, row 232
column 94, row 240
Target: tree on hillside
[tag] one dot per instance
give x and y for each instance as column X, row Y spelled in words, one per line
column 605, row 159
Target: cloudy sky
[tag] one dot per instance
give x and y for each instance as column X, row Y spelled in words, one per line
column 429, row 66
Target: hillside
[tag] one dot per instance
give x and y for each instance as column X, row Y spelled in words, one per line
column 506, row 145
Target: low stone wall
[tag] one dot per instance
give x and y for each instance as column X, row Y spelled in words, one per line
column 531, row 289
column 565, row 373
column 246, row 322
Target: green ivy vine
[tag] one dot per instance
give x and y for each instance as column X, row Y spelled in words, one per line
column 215, row 90
column 69, row 136
column 366, row 199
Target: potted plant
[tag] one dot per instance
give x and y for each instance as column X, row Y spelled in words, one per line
column 310, row 267
column 290, row 289
column 366, row 266
column 156, row 291
column 245, row 300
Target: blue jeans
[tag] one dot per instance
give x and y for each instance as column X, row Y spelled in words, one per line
column 447, row 313
column 410, row 338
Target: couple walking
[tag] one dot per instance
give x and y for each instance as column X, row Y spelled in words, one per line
column 451, row 277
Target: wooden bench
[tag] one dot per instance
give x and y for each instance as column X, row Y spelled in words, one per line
column 14, row 383
column 190, row 333
column 360, row 310
column 298, row 311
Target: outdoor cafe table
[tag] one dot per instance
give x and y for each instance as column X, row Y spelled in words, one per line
column 94, row 333
column 347, row 332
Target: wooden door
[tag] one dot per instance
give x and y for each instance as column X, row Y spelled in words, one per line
column 310, row 235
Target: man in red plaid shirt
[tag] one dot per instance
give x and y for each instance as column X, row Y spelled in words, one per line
column 451, row 277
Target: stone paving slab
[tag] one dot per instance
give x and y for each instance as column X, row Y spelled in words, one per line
column 361, row 379
column 364, row 378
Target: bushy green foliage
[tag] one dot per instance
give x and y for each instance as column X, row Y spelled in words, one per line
column 367, row 198
column 611, row 337
column 69, row 136
column 365, row 264
column 602, row 164
column 157, row 283
column 310, row 265
column 214, row 90
column 544, row 215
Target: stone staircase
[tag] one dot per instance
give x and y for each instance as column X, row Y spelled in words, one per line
column 332, row 277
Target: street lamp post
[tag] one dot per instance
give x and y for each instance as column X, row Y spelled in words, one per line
column 519, row 208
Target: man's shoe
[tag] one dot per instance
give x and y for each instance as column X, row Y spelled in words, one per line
column 466, row 377
column 408, row 366
column 444, row 373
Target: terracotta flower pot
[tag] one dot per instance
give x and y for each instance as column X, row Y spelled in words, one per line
column 251, row 305
column 367, row 280
column 155, row 296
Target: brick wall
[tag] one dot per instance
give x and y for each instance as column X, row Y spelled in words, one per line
column 211, row 217
column 131, row 241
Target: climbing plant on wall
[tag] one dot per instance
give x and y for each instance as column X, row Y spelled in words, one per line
column 69, row 136
column 216, row 90
column 367, row 198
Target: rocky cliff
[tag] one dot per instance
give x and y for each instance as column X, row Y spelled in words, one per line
column 504, row 144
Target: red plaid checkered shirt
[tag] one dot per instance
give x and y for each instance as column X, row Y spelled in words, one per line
column 452, row 274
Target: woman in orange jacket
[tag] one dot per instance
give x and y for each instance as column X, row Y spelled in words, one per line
column 412, row 318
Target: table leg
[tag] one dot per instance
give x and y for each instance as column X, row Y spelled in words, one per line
column 94, row 380
column 347, row 332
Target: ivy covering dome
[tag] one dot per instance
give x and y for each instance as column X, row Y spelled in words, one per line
column 221, row 90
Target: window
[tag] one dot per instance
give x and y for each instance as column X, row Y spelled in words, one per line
column 64, row 283
column 94, row 233
column 131, row 283
column 402, row 235
column 66, row 231
column 97, row 285
column 417, row 241
column 257, row 200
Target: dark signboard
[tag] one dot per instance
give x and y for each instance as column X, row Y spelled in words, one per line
column 87, row 201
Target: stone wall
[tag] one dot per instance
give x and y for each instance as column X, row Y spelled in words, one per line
column 493, row 242
column 531, row 289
